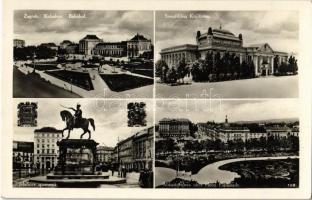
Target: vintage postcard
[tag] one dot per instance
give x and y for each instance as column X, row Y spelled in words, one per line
column 156, row 99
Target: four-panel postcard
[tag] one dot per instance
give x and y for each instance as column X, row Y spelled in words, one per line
column 156, row 99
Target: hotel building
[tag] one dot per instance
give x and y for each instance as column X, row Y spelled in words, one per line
column 174, row 127
column 45, row 149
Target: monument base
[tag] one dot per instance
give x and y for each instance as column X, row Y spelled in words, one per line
column 77, row 157
column 83, row 181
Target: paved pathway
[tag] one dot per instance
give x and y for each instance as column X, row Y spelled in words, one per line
column 262, row 87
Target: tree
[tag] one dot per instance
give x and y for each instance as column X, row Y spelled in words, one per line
column 172, row 76
column 207, row 66
column 292, row 65
column 195, row 71
column 182, row 69
column 283, row 68
column 236, row 67
column 217, row 64
column 161, row 69
column 276, row 64
column 243, row 69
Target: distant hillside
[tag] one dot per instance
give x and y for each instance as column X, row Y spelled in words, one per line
column 287, row 120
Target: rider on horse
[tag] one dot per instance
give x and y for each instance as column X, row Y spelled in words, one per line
column 78, row 114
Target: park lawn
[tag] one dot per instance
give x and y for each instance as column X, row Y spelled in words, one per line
column 122, row 82
column 33, row 86
column 144, row 72
column 78, row 79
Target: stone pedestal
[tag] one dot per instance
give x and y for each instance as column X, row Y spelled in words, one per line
column 76, row 157
column 76, row 166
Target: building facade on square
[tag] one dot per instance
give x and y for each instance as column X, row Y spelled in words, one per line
column 206, row 131
column 45, row 148
column 23, row 154
column 18, row 43
column 278, row 131
column 136, row 152
column 104, row 154
column 143, row 149
column 87, row 44
column 125, row 153
column 221, row 41
column 138, row 45
column 174, row 127
column 111, row 49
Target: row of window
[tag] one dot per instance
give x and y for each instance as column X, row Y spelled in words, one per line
column 47, row 140
column 46, row 135
column 43, row 146
column 47, row 151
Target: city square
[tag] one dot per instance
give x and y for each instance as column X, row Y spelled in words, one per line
column 108, row 154
column 257, row 152
column 81, row 63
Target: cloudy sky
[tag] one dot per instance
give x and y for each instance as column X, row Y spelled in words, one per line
column 236, row 110
column 278, row 28
column 108, row 25
column 110, row 119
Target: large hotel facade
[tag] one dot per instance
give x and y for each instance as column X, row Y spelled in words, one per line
column 46, row 150
column 221, row 40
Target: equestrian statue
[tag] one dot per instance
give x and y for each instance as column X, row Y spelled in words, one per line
column 76, row 121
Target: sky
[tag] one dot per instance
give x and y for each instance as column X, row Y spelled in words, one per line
column 236, row 110
column 111, row 26
column 278, row 28
column 110, row 119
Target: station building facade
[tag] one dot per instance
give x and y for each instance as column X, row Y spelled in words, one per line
column 135, row 47
column 220, row 40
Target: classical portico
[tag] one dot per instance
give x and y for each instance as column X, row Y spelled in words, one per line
column 263, row 58
column 264, row 65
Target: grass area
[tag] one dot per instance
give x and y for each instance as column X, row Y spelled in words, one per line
column 122, row 82
column 33, row 86
column 145, row 72
column 78, row 79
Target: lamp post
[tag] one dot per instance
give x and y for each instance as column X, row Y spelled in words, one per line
column 71, row 85
column 34, row 56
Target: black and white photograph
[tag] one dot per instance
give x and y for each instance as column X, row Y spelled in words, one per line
column 151, row 99
column 226, row 54
column 95, row 54
column 227, row 144
column 86, row 144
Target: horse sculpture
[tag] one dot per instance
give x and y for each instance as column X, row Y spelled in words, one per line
column 82, row 123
